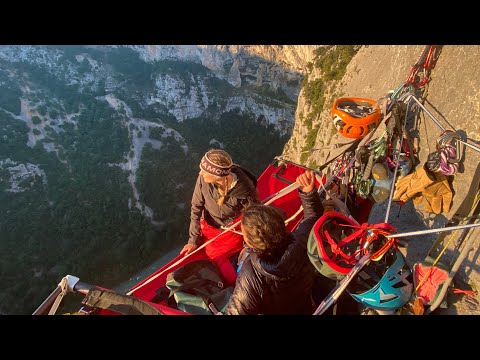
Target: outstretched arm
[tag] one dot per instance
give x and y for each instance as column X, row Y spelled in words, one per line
column 312, row 206
column 198, row 203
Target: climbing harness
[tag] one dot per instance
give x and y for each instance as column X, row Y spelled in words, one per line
column 339, row 241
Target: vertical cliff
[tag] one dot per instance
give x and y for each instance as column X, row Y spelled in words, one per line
column 452, row 95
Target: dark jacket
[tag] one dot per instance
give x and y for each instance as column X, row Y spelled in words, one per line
column 204, row 203
column 283, row 287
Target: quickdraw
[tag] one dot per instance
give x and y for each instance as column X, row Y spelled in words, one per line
column 367, row 156
column 446, row 139
column 427, row 60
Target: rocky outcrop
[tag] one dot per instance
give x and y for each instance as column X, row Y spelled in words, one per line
column 259, row 73
column 214, row 57
column 278, row 66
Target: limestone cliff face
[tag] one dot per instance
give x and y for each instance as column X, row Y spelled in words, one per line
column 273, row 65
column 270, row 68
column 265, row 79
column 294, row 57
column 452, row 95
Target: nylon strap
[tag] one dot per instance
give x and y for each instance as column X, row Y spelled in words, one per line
column 63, row 285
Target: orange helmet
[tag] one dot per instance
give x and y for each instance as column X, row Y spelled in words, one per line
column 355, row 117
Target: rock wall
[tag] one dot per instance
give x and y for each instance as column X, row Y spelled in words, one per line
column 452, row 95
column 272, row 65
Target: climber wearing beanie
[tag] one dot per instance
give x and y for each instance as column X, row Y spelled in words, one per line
column 222, row 191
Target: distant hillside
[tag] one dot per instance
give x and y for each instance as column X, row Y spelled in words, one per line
column 99, row 151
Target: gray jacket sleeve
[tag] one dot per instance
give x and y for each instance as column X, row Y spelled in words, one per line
column 196, row 211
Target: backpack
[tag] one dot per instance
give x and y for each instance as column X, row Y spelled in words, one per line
column 198, row 288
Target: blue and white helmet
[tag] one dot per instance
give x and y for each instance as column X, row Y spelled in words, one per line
column 386, row 284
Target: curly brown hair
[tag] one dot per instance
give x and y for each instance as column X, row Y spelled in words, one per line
column 265, row 229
